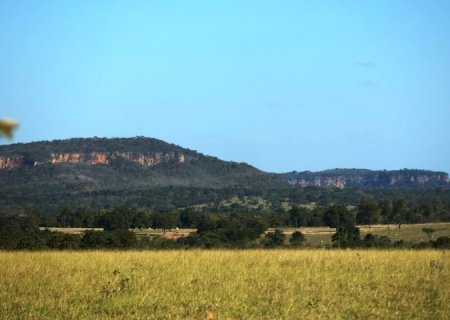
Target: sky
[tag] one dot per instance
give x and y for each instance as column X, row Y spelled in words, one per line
column 281, row 85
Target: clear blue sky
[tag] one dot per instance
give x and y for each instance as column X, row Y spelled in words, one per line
column 282, row 85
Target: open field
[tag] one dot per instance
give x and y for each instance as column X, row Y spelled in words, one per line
column 321, row 236
column 315, row 236
column 219, row 284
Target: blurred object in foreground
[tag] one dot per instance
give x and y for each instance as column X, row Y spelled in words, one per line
column 7, row 126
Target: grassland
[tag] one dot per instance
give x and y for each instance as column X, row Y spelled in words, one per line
column 252, row 284
column 316, row 237
column 321, row 236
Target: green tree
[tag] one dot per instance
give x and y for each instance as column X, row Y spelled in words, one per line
column 442, row 243
column 118, row 219
column 10, row 233
column 297, row 216
column 165, row 220
column 372, row 241
column 426, row 210
column 122, row 239
column 368, row 212
column 385, row 211
column 67, row 218
column 346, row 236
column 189, row 218
column 338, row 215
column 94, row 240
column 399, row 212
column 274, row 239
column 140, row 220
column 297, row 239
column 60, row 241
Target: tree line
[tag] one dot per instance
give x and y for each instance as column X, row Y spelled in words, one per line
column 369, row 211
column 230, row 230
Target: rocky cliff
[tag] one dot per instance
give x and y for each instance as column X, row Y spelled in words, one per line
column 147, row 152
column 358, row 178
column 13, row 161
column 150, row 173
column 120, row 163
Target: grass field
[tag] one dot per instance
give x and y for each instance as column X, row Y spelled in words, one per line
column 321, row 236
column 252, row 284
column 316, row 236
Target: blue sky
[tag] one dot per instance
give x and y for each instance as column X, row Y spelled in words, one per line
column 282, row 85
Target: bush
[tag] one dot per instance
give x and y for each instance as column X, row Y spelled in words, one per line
column 346, row 236
column 94, row 240
column 442, row 243
column 58, row 240
column 371, row 241
column 274, row 239
column 297, row 239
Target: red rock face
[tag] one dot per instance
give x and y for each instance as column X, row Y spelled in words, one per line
column 95, row 158
column 10, row 162
column 98, row 158
column 66, row 158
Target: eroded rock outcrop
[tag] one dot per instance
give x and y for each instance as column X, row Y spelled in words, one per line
column 357, row 178
column 97, row 158
column 11, row 162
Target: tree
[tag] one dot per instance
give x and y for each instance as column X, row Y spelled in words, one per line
column 297, row 216
column 297, row 239
column 385, row 210
column 346, row 236
column 372, row 241
column 165, row 220
column 122, row 239
column 425, row 210
column 338, row 215
column 94, row 239
column 67, row 218
column 442, row 243
column 140, row 220
column 399, row 211
column 189, row 218
column 10, row 233
column 59, row 240
column 368, row 212
column 118, row 219
column 274, row 239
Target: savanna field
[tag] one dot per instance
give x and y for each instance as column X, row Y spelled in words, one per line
column 225, row 284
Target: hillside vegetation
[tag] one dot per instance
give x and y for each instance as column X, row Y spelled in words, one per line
column 100, row 172
column 141, row 172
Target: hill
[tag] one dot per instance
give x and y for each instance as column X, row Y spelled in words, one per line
column 94, row 163
column 105, row 172
column 138, row 172
column 368, row 179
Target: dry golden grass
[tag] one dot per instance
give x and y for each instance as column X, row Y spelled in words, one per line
column 71, row 230
column 253, row 284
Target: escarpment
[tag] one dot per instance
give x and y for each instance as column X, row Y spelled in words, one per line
column 359, row 178
column 147, row 152
column 95, row 158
